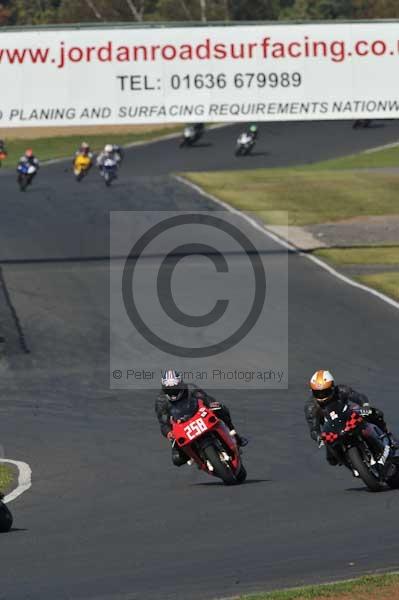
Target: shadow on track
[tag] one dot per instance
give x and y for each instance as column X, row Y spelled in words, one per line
column 365, row 489
column 199, row 145
column 14, row 530
column 221, row 484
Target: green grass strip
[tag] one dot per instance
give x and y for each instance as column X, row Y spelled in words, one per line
column 372, row 587
column 382, row 255
column 61, row 147
column 6, row 477
column 387, row 283
column 386, row 158
column 308, row 197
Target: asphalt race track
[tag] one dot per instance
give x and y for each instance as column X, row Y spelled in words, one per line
column 108, row 517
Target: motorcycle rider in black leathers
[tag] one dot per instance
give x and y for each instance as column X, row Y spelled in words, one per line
column 177, row 397
column 324, row 393
column 3, row 151
column 252, row 131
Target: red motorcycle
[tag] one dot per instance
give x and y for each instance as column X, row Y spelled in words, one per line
column 207, row 441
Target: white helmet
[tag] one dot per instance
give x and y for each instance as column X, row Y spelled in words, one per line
column 173, row 385
column 108, row 148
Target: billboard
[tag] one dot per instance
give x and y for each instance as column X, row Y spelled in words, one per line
column 266, row 72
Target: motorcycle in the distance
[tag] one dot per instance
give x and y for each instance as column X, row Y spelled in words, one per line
column 6, row 519
column 361, row 446
column 191, row 135
column 209, row 444
column 81, row 166
column 3, row 156
column 245, row 143
column 26, row 173
column 361, row 124
column 109, row 170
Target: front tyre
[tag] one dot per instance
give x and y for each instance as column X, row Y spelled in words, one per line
column 241, row 475
column 357, row 462
column 23, row 182
column 107, row 178
column 220, row 468
column 6, row 519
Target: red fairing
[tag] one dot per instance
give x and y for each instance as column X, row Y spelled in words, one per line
column 354, row 420
column 200, row 424
column 329, row 438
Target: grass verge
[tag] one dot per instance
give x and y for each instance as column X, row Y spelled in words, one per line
column 307, row 196
column 386, row 158
column 6, row 477
column 373, row 587
column 382, row 255
column 387, row 283
column 64, row 146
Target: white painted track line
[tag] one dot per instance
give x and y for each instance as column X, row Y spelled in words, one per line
column 24, row 479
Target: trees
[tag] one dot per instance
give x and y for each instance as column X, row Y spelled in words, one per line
column 72, row 11
column 33, row 12
column 254, row 10
column 192, row 10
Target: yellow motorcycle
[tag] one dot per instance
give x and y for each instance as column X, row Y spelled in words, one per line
column 81, row 166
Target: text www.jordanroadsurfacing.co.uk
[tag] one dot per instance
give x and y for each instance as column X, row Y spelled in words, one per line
column 266, row 48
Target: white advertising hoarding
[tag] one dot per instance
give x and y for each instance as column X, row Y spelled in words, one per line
column 217, row 73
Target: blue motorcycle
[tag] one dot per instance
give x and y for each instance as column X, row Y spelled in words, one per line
column 26, row 173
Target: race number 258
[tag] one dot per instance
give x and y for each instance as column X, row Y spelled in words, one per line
column 195, row 428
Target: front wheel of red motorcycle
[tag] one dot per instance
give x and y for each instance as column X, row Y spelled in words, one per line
column 241, row 475
column 219, row 467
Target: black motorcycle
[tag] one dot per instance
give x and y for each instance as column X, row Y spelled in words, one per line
column 361, row 446
column 191, row 135
column 361, row 124
column 6, row 519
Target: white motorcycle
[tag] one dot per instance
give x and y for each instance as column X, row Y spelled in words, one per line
column 109, row 170
column 245, row 143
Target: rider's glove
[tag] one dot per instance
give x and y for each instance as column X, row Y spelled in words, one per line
column 170, row 436
column 320, row 442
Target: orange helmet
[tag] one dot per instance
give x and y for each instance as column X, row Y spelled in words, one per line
column 29, row 152
column 322, row 386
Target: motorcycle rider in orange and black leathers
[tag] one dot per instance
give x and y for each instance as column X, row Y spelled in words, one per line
column 324, row 393
column 176, row 396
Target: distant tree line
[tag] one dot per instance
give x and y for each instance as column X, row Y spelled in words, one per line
column 35, row 12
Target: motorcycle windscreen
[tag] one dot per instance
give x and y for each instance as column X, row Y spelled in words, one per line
column 336, row 417
column 183, row 410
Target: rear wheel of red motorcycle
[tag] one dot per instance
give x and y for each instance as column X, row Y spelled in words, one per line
column 220, row 468
column 365, row 474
